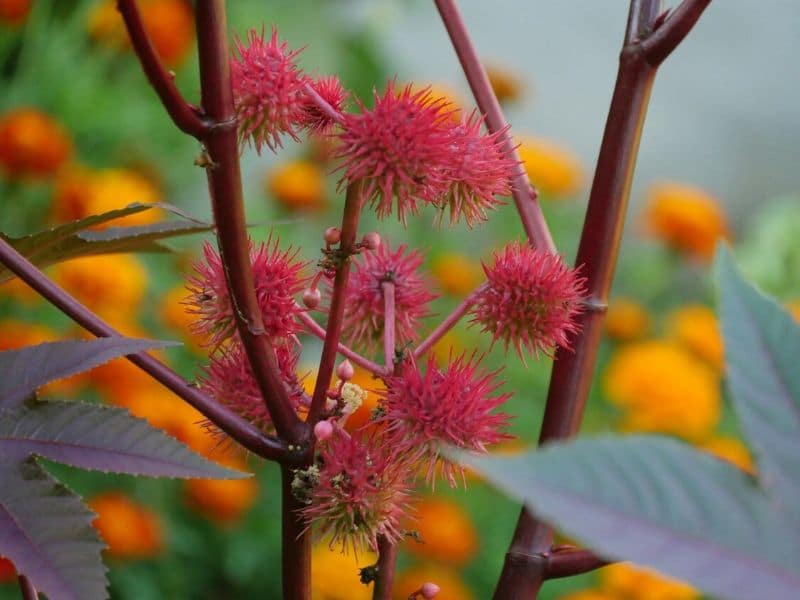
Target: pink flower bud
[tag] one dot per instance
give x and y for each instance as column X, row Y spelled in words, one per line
column 345, row 370
column 311, row 298
column 332, row 235
column 323, row 430
column 372, row 240
column 429, row 590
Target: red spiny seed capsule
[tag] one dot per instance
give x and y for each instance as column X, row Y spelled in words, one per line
column 452, row 405
column 332, row 235
column 364, row 307
column 398, row 149
column 311, row 116
column 362, row 492
column 530, row 301
column 277, row 278
column 479, row 170
column 267, row 89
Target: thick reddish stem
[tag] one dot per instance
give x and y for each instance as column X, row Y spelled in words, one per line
column 449, row 322
column 240, row 430
column 349, row 230
column 27, row 589
column 295, row 543
column 526, row 565
column 319, row 331
column 387, row 560
column 573, row 562
column 225, row 187
column 525, row 196
column 660, row 44
column 387, row 287
column 183, row 114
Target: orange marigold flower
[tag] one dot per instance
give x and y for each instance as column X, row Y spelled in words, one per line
column 446, row 530
column 16, row 334
column 169, row 23
column 130, row 530
column 555, row 171
column 686, row 218
column 626, row 320
column 32, row 144
column 451, row 586
column 624, row 580
column 457, row 274
column 175, row 316
column 298, row 185
column 222, row 501
column 794, row 308
column 506, row 84
column 590, row 594
column 731, row 450
column 661, row 387
column 14, row 12
column 335, row 575
column 695, row 327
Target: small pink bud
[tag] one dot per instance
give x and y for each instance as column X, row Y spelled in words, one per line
column 312, row 297
column 429, row 590
column 333, row 235
column 372, row 240
column 323, row 430
column 345, row 370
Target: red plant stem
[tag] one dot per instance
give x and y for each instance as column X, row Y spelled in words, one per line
column 295, row 543
column 525, row 567
column 27, row 589
column 319, row 331
column 240, row 430
column 182, row 113
column 573, row 562
column 387, row 287
column 225, row 187
column 349, row 230
column 449, row 322
column 387, row 559
column 323, row 105
column 525, row 195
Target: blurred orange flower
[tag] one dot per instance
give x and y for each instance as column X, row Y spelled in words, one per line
column 457, row 273
column 663, row 388
column 169, row 23
column 174, row 315
column 447, row 532
column 19, row 290
column 223, row 501
column 695, row 326
column 555, row 171
column 794, row 308
column 451, row 343
column 686, row 218
column 129, row 529
column 730, row 449
column 624, row 580
column 506, row 84
column 32, row 144
column 335, row 575
column 626, row 320
column 590, row 594
column 14, row 12
column 451, row 586
column 297, row 185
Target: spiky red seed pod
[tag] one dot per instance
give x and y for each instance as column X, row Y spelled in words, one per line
column 530, row 301
column 362, row 492
column 364, row 308
column 399, row 149
column 478, row 171
column 267, row 89
column 277, row 277
column 452, row 405
column 311, row 116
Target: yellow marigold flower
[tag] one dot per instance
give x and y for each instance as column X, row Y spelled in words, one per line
column 695, row 326
column 626, row 320
column 32, row 144
column 169, row 23
column 506, row 84
column 451, row 343
column 298, row 185
column 731, row 450
column 18, row 290
column 794, row 308
column 113, row 285
column 14, row 12
column 223, row 501
column 663, row 388
column 555, row 171
column 335, row 575
column 16, row 334
column 447, row 532
column 129, row 529
column 624, row 580
column 457, row 274
column 590, row 594
column 451, row 586
column 174, row 315
column 686, row 218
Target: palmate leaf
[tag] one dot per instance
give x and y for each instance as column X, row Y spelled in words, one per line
column 92, row 436
column 762, row 352
column 76, row 239
column 24, row 370
column 658, row 502
column 46, row 532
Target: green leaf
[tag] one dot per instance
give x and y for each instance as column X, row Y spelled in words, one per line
column 25, row 370
column 92, row 436
column 658, row 502
column 46, row 532
column 762, row 349
column 73, row 240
